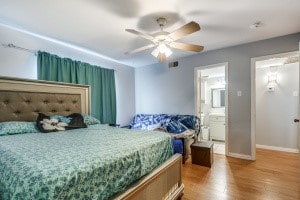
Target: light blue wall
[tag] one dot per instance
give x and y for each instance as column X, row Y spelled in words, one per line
column 163, row 90
column 21, row 64
column 277, row 109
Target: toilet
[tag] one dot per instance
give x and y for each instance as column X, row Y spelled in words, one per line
column 204, row 129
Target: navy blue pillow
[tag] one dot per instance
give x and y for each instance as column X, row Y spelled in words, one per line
column 188, row 120
column 175, row 127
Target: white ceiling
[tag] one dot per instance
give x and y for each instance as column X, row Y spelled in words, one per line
column 99, row 25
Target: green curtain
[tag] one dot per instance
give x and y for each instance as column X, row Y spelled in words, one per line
column 102, row 82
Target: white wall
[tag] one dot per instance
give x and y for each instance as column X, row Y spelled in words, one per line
column 211, row 83
column 160, row 89
column 276, row 110
column 21, row 64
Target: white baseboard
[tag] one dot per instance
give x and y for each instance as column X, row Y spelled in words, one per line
column 291, row 150
column 241, row 156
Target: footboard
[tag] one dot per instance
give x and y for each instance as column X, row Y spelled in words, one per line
column 163, row 183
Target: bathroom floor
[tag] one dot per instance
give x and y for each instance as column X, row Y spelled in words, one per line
column 219, row 147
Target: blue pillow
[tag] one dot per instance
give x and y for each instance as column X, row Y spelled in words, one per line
column 165, row 122
column 90, row 120
column 175, row 127
column 188, row 120
column 14, row 127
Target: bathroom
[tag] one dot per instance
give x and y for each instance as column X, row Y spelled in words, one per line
column 212, row 98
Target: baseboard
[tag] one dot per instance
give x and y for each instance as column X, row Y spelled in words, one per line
column 291, row 150
column 241, row 156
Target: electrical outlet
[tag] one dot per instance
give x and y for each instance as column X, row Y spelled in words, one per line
column 239, row 93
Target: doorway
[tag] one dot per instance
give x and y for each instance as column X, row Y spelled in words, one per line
column 275, row 102
column 211, row 104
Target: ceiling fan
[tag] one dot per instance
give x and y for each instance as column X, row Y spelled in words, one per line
column 163, row 40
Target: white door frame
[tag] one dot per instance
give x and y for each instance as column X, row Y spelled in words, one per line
column 253, row 96
column 196, row 90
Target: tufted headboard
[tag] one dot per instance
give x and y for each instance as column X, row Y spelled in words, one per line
column 22, row 99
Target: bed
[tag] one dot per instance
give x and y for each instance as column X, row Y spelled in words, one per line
column 98, row 162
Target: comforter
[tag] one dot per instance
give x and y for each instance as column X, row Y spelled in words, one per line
column 92, row 163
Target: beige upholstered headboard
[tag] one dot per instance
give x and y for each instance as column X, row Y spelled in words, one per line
column 23, row 99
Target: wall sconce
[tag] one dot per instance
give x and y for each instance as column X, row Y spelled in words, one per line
column 272, row 78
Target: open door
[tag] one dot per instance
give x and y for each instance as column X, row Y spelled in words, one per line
column 297, row 120
column 211, row 102
column 275, row 82
column 198, row 92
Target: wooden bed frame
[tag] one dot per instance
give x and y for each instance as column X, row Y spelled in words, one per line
column 23, row 99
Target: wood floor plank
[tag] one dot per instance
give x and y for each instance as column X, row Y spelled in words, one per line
column 274, row 175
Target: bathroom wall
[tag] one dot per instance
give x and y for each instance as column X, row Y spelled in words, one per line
column 212, row 77
column 206, row 106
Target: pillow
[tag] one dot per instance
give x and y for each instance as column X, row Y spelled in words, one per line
column 53, row 123
column 14, row 127
column 187, row 120
column 165, row 122
column 90, row 120
column 76, row 121
column 175, row 127
column 153, row 127
column 141, row 121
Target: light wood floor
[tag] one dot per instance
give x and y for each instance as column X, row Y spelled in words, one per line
column 274, row 175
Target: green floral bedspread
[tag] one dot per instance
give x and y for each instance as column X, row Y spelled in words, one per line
column 92, row 163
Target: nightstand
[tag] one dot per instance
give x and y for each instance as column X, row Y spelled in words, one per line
column 202, row 153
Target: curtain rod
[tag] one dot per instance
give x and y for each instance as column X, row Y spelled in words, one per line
column 10, row 45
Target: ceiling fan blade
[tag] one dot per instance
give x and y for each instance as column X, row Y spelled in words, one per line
column 187, row 47
column 162, row 57
column 144, row 35
column 140, row 49
column 185, row 30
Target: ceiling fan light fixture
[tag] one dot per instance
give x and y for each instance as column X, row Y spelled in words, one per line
column 164, row 49
column 161, row 49
column 155, row 52
column 164, row 40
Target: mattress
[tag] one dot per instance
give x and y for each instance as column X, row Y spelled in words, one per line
column 92, row 163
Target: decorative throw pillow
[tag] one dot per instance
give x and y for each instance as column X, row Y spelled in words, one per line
column 175, row 127
column 153, row 127
column 76, row 121
column 187, row 120
column 90, row 120
column 59, row 123
column 165, row 122
column 15, row 127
